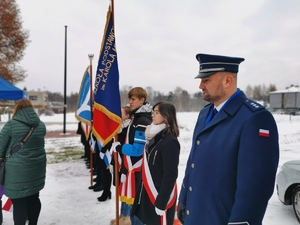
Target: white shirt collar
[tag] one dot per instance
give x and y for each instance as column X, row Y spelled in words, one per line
column 220, row 106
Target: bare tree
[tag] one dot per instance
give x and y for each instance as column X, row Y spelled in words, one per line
column 13, row 41
column 272, row 87
column 257, row 90
column 249, row 91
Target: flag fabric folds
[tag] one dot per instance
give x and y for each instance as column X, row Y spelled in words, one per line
column 83, row 112
column 107, row 104
column 86, row 128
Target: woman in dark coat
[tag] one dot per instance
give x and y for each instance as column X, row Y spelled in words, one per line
column 155, row 201
column 25, row 170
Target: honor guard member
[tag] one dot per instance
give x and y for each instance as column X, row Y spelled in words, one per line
column 231, row 169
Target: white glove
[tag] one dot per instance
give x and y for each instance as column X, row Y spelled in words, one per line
column 123, row 178
column 101, row 154
column 159, row 211
column 114, row 145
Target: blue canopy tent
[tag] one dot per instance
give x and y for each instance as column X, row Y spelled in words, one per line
column 9, row 91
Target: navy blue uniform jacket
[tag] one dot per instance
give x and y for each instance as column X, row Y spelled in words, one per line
column 232, row 165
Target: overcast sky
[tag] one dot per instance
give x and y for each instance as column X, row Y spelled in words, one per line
column 157, row 41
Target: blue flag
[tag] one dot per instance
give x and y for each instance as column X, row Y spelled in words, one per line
column 83, row 112
column 107, row 104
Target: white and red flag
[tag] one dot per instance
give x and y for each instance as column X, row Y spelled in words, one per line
column 264, row 133
column 7, row 204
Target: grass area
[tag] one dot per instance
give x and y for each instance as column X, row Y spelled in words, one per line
column 66, row 154
column 63, row 150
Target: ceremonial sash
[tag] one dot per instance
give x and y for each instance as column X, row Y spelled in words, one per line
column 125, row 142
column 127, row 188
column 152, row 192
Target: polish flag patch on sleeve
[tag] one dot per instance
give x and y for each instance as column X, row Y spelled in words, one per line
column 264, row 133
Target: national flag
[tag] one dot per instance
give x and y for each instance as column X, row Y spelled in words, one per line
column 94, row 144
column 107, row 158
column 7, row 204
column 264, row 133
column 83, row 112
column 107, row 102
column 96, row 147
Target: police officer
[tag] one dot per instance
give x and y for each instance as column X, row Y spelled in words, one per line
column 231, row 169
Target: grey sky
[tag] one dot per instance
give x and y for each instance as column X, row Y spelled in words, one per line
column 157, row 40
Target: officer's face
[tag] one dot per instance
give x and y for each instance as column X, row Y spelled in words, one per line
column 212, row 87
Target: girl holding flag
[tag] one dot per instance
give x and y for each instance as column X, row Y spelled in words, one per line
column 156, row 196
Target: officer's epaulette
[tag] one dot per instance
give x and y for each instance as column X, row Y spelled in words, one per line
column 254, row 106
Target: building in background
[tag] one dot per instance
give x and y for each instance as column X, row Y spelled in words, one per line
column 286, row 101
column 39, row 99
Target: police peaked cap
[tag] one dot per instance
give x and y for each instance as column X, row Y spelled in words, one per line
column 210, row 64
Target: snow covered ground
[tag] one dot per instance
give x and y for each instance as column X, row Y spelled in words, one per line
column 67, row 200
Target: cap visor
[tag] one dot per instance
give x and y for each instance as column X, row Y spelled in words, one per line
column 203, row 75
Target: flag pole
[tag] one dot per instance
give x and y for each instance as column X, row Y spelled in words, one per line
column 91, row 56
column 116, row 139
column 65, row 82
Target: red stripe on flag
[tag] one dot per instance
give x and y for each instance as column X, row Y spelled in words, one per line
column 264, row 133
column 105, row 127
column 7, row 205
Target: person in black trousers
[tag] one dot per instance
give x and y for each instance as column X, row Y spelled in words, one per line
column 28, row 207
column 25, row 170
column 98, row 186
column 105, row 171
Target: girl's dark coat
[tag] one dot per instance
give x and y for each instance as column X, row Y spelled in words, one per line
column 163, row 159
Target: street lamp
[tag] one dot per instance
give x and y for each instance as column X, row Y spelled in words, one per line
column 65, row 82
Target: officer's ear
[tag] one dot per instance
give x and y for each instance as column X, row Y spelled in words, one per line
column 228, row 80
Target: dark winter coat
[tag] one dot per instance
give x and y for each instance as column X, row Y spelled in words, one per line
column 231, row 169
column 140, row 119
column 25, row 170
column 163, row 159
column 136, row 140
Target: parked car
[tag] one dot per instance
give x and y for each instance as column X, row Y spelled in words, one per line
column 288, row 185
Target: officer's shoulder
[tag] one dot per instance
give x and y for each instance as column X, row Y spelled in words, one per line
column 253, row 105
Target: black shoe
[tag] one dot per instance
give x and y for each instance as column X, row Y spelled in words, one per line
column 94, row 186
column 83, row 157
column 98, row 188
column 105, row 195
